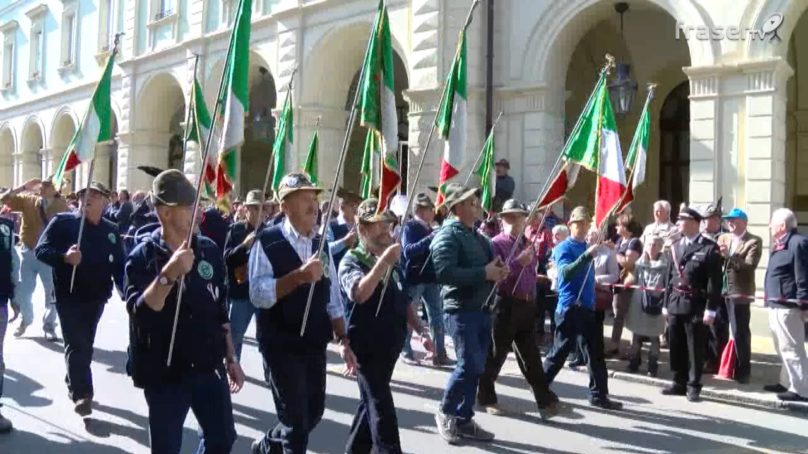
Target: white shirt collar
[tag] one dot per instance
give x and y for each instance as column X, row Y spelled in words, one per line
column 690, row 239
column 739, row 235
column 341, row 220
column 291, row 233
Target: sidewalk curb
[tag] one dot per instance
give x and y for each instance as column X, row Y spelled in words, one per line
column 724, row 396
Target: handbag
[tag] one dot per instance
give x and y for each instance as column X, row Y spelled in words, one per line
column 603, row 297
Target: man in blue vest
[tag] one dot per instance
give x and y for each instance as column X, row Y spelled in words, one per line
column 203, row 370
column 98, row 261
column 9, row 274
column 342, row 230
column 237, row 247
column 376, row 339
column 282, row 268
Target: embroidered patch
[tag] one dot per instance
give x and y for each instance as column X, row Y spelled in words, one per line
column 112, row 237
column 111, row 258
column 205, row 270
column 5, row 230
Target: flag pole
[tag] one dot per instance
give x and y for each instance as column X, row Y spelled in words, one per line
column 89, row 180
column 199, row 181
column 603, row 73
column 340, row 163
column 651, row 88
column 410, row 196
column 272, row 154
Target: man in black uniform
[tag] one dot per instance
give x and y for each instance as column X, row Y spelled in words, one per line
column 98, row 259
column 202, row 358
column 240, row 239
column 281, row 269
column 718, row 334
column 695, row 292
column 376, row 340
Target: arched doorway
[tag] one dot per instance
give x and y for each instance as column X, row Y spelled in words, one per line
column 159, row 121
column 7, row 150
column 27, row 164
column 674, row 146
column 654, row 55
column 352, row 177
column 64, row 128
column 796, row 187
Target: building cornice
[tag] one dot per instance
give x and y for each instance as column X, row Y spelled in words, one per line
column 55, row 98
column 37, row 11
column 8, row 27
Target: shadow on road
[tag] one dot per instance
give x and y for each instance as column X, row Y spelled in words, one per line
column 20, row 442
column 21, row 389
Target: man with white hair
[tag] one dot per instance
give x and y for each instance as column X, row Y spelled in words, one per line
column 786, row 290
column 662, row 225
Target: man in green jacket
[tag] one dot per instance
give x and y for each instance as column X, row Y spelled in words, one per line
column 466, row 269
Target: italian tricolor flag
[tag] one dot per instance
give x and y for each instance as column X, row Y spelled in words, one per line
column 198, row 131
column 452, row 118
column 594, row 145
column 95, row 127
column 377, row 104
column 485, row 170
column 370, row 151
column 283, row 141
column 234, row 100
column 310, row 167
column 563, row 182
column 637, row 155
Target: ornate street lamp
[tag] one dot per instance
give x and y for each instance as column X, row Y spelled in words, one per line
column 624, row 88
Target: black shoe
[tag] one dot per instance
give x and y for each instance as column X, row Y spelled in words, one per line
column 605, row 403
column 693, row 395
column 674, row 390
column 789, row 396
column 776, row 388
column 577, row 362
column 653, row 367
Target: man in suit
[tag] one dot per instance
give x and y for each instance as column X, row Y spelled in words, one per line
column 695, row 293
column 786, row 289
column 741, row 252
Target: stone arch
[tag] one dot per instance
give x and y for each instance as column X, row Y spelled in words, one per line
column 796, row 121
column 754, row 18
column 159, row 117
column 8, row 145
column 62, row 131
column 32, row 141
column 563, row 25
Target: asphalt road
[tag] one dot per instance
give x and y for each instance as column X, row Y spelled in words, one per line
column 36, row 401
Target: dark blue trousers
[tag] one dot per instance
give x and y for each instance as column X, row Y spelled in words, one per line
column 579, row 326
column 375, row 425
column 205, row 393
column 471, row 333
column 79, row 323
column 297, row 381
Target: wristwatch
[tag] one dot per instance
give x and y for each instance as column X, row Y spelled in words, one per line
column 164, row 280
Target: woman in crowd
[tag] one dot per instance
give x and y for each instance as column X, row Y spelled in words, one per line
column 644, row 317
column 628, row 249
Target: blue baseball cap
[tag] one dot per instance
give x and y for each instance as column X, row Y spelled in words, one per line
column 737, row 213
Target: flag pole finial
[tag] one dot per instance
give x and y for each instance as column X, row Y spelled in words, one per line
column 652, row 89
column 609, row 63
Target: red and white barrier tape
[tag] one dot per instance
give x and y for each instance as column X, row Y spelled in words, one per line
column 725, row 295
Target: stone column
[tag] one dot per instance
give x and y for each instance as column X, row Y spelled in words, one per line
column 704, row 178
column 46, row 162
column 141, row 148
column 765, row 145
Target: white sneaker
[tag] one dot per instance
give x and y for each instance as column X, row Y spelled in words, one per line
column 447, row 428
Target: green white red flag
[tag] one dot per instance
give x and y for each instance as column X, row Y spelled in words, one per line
column 95, row 127
column 310, row 168
column 452, row 120
column 234, row 101
column 485, row 170
column 377, row 104
column 637, row 155
column 283, row 142
column 198, row 130
column 594, row 144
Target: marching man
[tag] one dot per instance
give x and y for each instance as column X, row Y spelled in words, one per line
column 376, row 341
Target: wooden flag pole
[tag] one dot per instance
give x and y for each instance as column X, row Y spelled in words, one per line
column 199, row 181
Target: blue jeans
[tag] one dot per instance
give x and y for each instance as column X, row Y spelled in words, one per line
column 208, row 396
column 241, row 313
column 430, row 295
column 471, row 332
column 30, row 267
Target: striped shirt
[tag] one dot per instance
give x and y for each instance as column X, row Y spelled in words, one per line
column 262, row 277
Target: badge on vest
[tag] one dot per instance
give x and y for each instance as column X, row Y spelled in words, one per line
column 205, row 270
column 5, row 230
column 112, row 237
column 111, row 258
